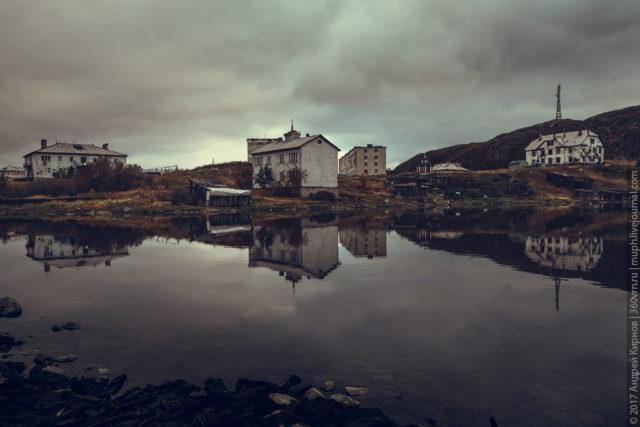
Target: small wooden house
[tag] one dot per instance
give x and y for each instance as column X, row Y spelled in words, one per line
column 214, row 193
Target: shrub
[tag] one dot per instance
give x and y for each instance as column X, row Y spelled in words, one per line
column 180, row 195
column 242, row 174
column 264, row 177
column 326, row 196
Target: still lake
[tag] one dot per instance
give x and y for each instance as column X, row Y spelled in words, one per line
column 454, row 316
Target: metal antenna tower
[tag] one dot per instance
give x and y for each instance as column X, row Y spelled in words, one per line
column 558, row 109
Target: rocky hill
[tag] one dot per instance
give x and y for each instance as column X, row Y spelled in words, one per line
column 619, row 131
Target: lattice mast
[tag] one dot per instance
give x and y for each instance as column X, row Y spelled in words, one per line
column 558, row 108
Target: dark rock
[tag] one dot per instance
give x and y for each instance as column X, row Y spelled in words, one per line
column 292, row 381
column 300, row 389
column 493, row 422
column 43, row 359
column 216, row 390
column 7, row 341
column 9, row 307
column 56, row 329
column 70, row 326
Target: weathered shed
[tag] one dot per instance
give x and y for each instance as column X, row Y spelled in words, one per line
column 214, row 193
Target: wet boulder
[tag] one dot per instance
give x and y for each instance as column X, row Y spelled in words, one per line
column 7, row 341
column 9, row 307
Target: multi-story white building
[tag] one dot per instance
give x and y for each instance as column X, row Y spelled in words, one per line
column 582, row 146
column 313, row 154
column 51, row 160
column 369, row 160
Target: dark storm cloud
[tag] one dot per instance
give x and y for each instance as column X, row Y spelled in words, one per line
column 184, row 82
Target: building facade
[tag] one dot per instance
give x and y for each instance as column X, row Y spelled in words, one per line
column 12, row 172
column 369, row 160
column 313, row 154
column 579, row 147
column 52, row 160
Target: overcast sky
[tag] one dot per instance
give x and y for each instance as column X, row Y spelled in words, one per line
column 188, row 81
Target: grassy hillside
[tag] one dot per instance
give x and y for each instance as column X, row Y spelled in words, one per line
column 619, row 131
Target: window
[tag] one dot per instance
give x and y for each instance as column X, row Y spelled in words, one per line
column 71, row 159
column 365, row 171
column 293, row 256
column 258, row 161
column 375, row 150
column 365, row 163
column 549, row 160
column 268, row 160
column 281, row 158
column 46, row 158
column 375, row 171
column 319, row 141
column 48, row 170
column 59, row 158
column 593, row 140
column 557, row 159
column 375, row 164
column 375, row 157
column 293, row 157
column 365, row 157
column 365, row 150
column 83, row 160
column 557, row 150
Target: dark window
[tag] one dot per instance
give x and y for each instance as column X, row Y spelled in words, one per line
column 83, row 160
column 71, row 159
column 281, row 158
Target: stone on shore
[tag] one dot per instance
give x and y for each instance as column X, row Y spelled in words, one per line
column 313, row 394
column 356, row 391
column 9, row 307
column 53, row 370
column 282, row 399
column 345, row 400
column 328, row 386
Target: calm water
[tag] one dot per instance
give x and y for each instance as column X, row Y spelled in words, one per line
column 455, row 316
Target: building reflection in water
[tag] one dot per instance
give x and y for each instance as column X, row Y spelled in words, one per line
column 296, row 248
column 565, row 253
column 66, row 252
column 364, row 242
column 562, row 253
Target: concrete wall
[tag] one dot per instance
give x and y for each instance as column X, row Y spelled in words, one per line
column 320, row 160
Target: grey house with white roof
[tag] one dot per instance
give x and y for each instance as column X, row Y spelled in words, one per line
column 50, row 160
column 582, row 146
column 314, row 154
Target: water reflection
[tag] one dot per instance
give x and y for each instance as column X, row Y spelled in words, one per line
column 368, row 243
column 296, row 248
column 565, row 253
column 67, row 252
column 439, row 285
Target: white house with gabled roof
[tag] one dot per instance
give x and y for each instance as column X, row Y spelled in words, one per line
column 582, row 146
column 51, row 160
column 314, row 154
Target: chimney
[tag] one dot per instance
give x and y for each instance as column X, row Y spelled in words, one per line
column 43, row 143
column 105, row 146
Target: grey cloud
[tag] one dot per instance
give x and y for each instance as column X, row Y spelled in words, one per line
column 183, row 82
